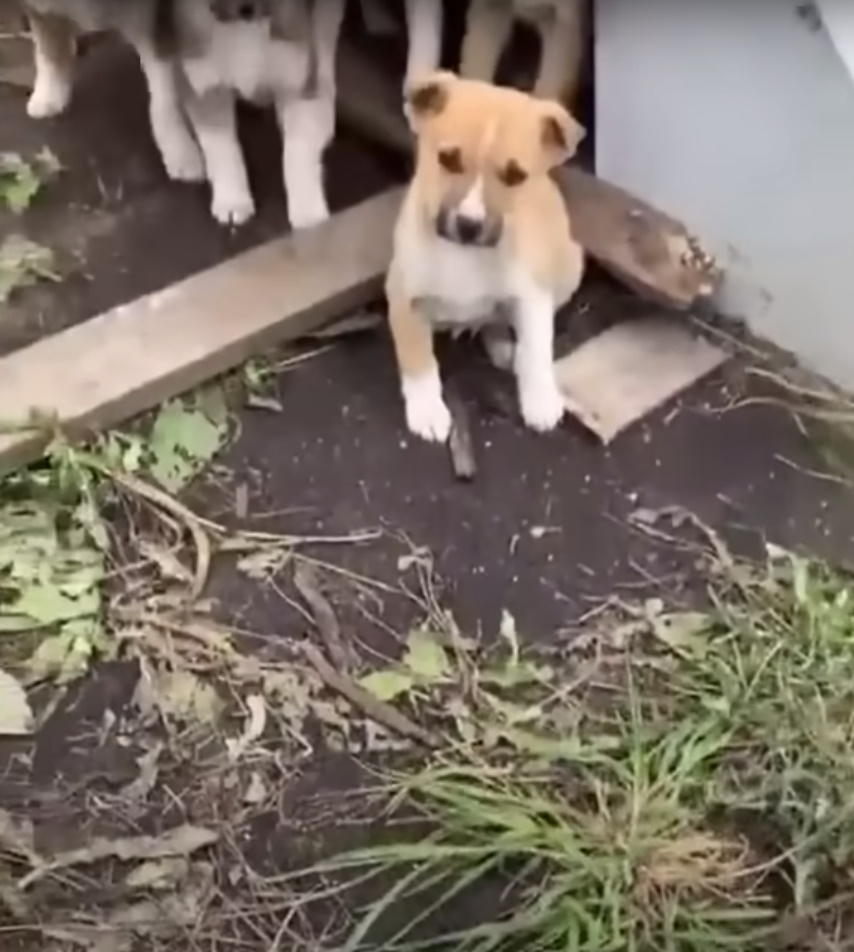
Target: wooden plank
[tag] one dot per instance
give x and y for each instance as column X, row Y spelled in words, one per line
column 650, row 252
column 629, row 370
column 129, row 359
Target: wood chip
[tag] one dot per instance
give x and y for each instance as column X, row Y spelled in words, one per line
column 623, row 374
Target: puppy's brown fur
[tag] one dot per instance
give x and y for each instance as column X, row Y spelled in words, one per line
column 483, row 160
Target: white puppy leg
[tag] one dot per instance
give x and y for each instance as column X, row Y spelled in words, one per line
column 489, row 24
column 328, row 16
column 178, row 149
column 424, row 19
column 540, row 399
column 305, row 130
column 214, row 119
column 54, row 48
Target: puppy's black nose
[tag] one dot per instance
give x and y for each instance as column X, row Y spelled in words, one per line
column 468, row 229
column 246, row 11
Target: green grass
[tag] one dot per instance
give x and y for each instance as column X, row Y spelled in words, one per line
column 693, row 794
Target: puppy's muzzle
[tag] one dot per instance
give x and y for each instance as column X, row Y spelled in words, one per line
column 455, row 225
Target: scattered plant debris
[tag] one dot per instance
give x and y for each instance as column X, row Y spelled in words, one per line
column 22, row 264
column 22, row 180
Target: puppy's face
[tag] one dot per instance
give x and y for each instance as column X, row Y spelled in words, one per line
column 289, row 20
column 481, row 150
column 231, row 11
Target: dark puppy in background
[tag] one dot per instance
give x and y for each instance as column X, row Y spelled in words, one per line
column 198, row 56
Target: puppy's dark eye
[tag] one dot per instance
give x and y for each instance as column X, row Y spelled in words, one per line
column 451, row 161
column 512, row 174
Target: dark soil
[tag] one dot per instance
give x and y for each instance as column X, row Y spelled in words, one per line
column 542, row 531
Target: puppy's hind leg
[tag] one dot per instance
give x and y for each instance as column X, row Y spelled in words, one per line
column 214, row 118
column 489, row 24
column 54, row 46
column 178, row 149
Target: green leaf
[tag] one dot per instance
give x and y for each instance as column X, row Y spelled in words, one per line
column 388, row 684
column 425, row 657
column 183, row 439
column 47, row 605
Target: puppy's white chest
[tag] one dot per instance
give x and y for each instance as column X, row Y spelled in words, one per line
column 244, row 57
column 457, row 284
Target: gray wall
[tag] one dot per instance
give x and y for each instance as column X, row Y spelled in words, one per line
column 737, row 116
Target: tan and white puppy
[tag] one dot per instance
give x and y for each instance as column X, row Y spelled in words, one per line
column 560, row 25
column 483, row 240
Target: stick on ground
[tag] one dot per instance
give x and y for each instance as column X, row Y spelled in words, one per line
column 375, row 709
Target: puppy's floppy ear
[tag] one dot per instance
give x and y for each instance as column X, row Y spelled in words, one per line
column 426, row 96
column 561, row 134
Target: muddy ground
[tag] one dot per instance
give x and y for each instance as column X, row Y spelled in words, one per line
column 544, row 531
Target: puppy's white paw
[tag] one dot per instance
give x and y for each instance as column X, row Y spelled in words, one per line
column 543, row 406
column 183, row 161
column 50, row 97
column 427, row 415
column 429, row 419
column 306, row 211
column 231, row 206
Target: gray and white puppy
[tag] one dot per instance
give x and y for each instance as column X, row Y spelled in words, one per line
column 198, row 56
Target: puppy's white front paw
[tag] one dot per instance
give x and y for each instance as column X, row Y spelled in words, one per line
column 306, row 211
column 50, row 97
column 543, row 405
column 232, row 206
column 427, row 415
column 429, row 419
column 183, row 161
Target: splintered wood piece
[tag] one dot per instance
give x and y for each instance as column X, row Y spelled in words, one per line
column 131, row 358
column 624, row 373
column 649, row 251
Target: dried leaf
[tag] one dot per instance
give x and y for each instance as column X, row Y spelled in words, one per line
column 256, row 792
column 158, row 874
column 16, row 715
column 682, row 632
column 184, row 696
column 180, row 841
column 253, row 728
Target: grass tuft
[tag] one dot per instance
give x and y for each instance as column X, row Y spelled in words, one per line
column 701, row 793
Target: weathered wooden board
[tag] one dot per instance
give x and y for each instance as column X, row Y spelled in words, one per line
column 129, row 359
column 646, row 249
